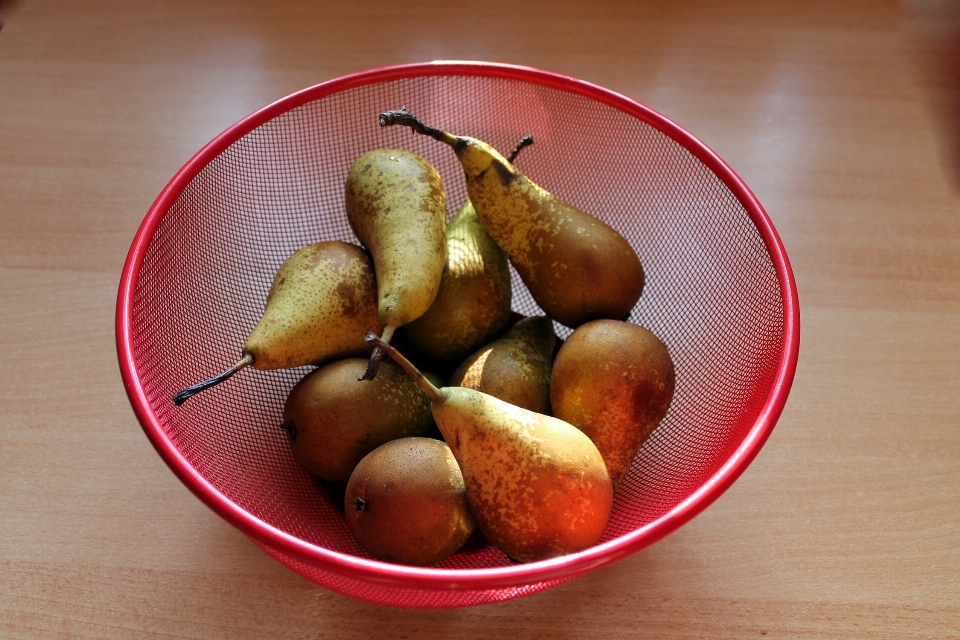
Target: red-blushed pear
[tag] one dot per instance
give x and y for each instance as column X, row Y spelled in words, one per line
column 614, row 381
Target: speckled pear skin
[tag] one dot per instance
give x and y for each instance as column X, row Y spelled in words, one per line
column 397, row 208
column 413, row 506
column 322, row 300
column 333, row 420
column 576, row 267
column 537, row 486
column 614, row 381
column 473, row 302
column 516, row 367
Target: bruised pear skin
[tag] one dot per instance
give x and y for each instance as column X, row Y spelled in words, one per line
column 516, row 367
column 333, row 420
column 473, row 303
column 406, row 502
column 614, row 381
column 322, row 301
column 397, row 207
column 538, row 487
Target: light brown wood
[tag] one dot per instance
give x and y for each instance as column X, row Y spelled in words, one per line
column 840, row 116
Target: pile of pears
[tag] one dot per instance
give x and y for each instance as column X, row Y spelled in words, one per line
column 436, row 409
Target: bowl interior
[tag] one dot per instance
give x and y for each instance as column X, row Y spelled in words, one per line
column 712, row 293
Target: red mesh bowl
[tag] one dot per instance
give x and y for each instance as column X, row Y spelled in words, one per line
column 719, row 293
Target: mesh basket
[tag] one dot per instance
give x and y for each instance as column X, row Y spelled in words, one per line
column 719, row 293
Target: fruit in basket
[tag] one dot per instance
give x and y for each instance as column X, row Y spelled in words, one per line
column 537, row 486
column 406, row 502
column 614, row 381
column 576, row 267
column 473, row 303
column 322, row 300
column 514, row 368
column 397, row 207
column 333, row 420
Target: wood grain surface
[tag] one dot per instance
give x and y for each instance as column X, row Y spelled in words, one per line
column 842, row 117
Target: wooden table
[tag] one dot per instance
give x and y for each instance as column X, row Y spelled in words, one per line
column 842, row 117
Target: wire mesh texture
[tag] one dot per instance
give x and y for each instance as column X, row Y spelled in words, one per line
column 196, row 280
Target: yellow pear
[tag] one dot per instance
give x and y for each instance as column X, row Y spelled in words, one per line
column 537, row 486
column 322, row 300
column 514, row 368
column 397, row 207
column 576, row 267
column 614, row 381
column 473, row 302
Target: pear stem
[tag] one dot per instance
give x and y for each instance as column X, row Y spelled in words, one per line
column 183, row 396
column 436, row 395
column 374, row 365
column 526, row 141
column 403, row 117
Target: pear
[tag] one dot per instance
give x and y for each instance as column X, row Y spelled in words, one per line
column 406, row 502
column 333, row 420
column 614, row 381
column 322, row 300
column 537, row 486
column 514, row 368
column 397, row 208
column 576, row 267
column 473, row 302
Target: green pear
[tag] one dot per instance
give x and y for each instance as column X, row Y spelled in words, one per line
column 397, row 208
column 537, row 486
column 473, row 302
column 333, row 420
column 614, row 381
column 406, row 502
column 576, row 267
column 514, row 368
column 322, row 300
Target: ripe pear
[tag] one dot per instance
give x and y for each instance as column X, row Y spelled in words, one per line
column 333, row 420
column 614, row 381
column 514, row 368
column 321, row 302
column 473, row 302
column 537, row 486
column 576, row 267
column 406, row 502
column 397, row 207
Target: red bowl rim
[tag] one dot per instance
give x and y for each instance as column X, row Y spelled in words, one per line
column 399, row 576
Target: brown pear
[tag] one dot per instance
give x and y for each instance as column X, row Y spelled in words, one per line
column 516, row 367
column 537, row 486
column 614, row 381
column 473, row 303
column 333, row 420
column 406, row 502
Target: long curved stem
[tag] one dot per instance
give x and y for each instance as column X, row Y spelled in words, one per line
column 183, row 396
column 436, row 395
column 526, row 141
column 374, row 365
